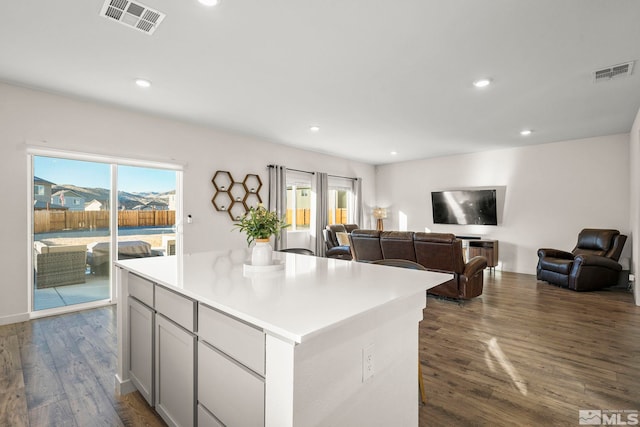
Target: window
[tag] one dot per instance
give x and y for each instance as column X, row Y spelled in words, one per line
column 38, row 190
column 298, row 201
column 340, row 201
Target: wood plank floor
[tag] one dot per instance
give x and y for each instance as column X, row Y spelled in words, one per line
column 525, row 353
column 59, row 371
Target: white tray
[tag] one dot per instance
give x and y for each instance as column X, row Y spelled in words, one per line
column 277, row 265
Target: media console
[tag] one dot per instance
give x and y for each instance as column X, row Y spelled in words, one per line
column 476, row 246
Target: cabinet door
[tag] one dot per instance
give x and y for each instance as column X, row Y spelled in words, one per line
column 141, row 348
column 230, row 391
column 205, row 419
column 175, row 387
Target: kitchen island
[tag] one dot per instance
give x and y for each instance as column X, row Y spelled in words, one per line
column 210, row 341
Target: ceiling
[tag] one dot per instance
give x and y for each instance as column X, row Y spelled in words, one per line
column 375, row 76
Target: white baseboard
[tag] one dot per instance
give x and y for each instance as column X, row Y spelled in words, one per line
column 124, row 387
column 14, row 318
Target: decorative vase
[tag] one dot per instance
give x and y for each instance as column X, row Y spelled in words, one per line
column 261, row 253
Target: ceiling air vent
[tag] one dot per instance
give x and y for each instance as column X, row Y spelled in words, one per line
column 132, row 14
column 613, row 72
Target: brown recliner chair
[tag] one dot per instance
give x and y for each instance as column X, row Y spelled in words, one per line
column 334, row 248
column 592, row 265
column 443, row 252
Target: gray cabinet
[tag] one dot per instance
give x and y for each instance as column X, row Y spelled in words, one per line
column 206, row 418
column 175, row 363
column 233, row 393
column 141, row 331
column 174, row 343
column 162, row 347
column 231, row 370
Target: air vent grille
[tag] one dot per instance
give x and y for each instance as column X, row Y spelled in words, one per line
column 613, row 72
column 133, row 15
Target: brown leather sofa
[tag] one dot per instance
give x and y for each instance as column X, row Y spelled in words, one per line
column 435, row 251
column 592, row 265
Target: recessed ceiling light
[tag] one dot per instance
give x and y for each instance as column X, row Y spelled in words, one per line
column 482, row 83
column 209, row 2
column 393, row 153
column 314, row 128
column 526, row 132
column 143, row 83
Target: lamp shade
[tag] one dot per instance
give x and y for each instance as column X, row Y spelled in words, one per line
column 379, row 213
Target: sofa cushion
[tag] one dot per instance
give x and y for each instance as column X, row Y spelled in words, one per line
column 397, row 245
column 343, row 238
column 43, row 248
column 365, row 245
column 439, row 252
column 67, row 248
column 557, row 265
column 595, row 240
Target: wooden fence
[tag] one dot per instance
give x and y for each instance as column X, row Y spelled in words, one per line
column 303, row 217
column 45, row 221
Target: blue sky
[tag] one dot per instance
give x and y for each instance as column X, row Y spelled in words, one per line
column 97, row 175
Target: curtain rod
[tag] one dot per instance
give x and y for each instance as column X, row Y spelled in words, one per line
column 295, row 170
column 313, row 173
column 344, row 177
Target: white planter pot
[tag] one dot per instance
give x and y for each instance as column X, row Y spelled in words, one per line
column 262, row 253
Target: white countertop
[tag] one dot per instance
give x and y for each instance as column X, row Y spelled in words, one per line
column 309, row 295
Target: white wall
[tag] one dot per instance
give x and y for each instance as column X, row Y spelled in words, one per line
column 552, row 192
column 634, row 156
column 72, row 124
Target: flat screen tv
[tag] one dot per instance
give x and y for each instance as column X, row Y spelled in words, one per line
column 464, row 207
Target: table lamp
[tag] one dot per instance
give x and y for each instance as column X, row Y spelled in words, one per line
column 379, row 214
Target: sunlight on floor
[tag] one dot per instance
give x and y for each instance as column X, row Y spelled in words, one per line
column 494, row 350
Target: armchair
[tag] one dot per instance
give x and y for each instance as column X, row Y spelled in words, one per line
column 592, row 265
column 335, row 248
column 59, row 265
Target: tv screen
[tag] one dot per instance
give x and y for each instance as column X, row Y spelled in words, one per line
column 464, row 207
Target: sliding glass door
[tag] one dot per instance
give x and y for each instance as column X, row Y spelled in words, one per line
column 73, row 232
column 70, row 214
column 146, row 212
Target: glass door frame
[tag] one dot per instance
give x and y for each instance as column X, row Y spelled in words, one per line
column 113, row 162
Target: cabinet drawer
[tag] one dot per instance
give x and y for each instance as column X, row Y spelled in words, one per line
column 205, row 419
column 237, row 339
column 231, row 392
column 176, row 307
column 141, row 289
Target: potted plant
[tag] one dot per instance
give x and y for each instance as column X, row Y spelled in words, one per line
column 260, row 224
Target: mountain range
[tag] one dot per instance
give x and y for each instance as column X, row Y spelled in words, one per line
column 125, row 199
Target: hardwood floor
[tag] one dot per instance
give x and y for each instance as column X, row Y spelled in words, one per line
column 59, row 371
column 525, row 353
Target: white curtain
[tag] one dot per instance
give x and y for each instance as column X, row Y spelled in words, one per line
column 357, row 202
column 322, row 218
column 278, row 199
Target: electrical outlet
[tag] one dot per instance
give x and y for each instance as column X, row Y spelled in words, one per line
column 368, row 365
